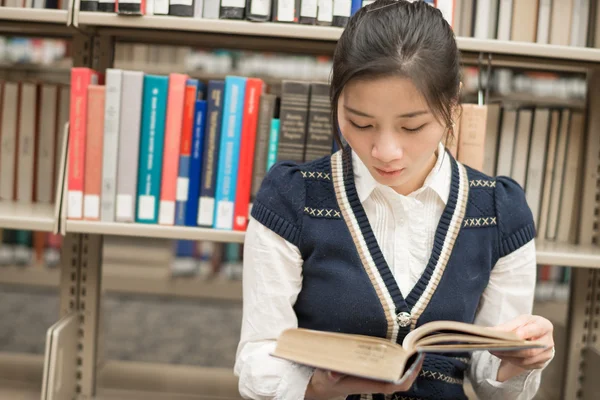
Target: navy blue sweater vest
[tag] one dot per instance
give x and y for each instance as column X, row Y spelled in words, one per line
column 347, row 285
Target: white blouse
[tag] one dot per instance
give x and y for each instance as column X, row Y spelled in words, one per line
column 404, row 227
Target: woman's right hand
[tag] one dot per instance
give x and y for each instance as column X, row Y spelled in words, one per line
column 325, row 385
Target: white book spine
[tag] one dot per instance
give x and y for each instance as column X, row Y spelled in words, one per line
column 46, row 143
column 447, row 9
column 482, row 19
column 507, row 141
column 505, row 19
column 63, row 118
column 26, row 152
column 112, row 112
column 535, row 167
column 559, row 169
column 8, row 149
column 161, row 7
column 519, row 166
column 543, row 28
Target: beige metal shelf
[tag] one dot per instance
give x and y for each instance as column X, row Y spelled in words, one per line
column 30, row 275
column 156, row 231
column 582, row 256
column 32, row 216
column 20, row 376
column 33, row 15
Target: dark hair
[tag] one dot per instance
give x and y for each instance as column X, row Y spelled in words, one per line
column 399, row 38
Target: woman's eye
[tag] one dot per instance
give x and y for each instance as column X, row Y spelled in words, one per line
column 360, row 126
column 415, row 130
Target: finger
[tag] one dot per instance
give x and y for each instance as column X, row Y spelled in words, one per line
column 513, row 324
column 535, row 329
column 333, row 377
column 528, row 353
column 538, row 360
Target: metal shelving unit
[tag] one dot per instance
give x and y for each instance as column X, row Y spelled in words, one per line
column 80, row 280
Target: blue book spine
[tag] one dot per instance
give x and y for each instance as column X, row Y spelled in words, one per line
column 356, row 5
column 183, row 176
column 201, row 95
column 191, row 215
column 152, row 139
column 212, row 142
column 273, row 143
column 229, row 154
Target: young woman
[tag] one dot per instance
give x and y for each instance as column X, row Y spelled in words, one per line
column 391, row 232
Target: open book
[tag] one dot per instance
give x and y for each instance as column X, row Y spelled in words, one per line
column 380, row 359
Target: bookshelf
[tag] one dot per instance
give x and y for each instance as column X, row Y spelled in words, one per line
column 80, row 277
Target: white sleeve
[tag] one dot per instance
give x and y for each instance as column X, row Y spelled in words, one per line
column 272, row 279
column 510, row 293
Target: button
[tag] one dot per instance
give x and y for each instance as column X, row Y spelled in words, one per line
column 404, row 319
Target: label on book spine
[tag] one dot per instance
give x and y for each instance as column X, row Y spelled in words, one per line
column 285, row 10
column 233, row 3
column 225, row 215
column 166, row 215
column 75, row 204
column 183, row 185
column 146, row 207
column 341, row 8
column 124, row 209
column 325, row 10
column 260, row 7
column 161, row 7
column 91, row 206
column 181, row 2
column 207, row 211
column 308, row 8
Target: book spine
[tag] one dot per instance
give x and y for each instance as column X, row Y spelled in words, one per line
column 47, row 143
column 63, row 119
column 293, row 117
column 211, row 9
column 151, row 147
column 258, row 10
column 285, row 11
column 183, row 180
column 273, row 143
column 263, row 130
column 88, row 5
column 320, row 135
column 181, row 8
column 81, row 78
column 471, row 143
column 106, row 6
column 8, row 149
column 112, row 112
column 93, row 153
column 341, row 12
column 355, row 5
column 254, row 88
column 324, row 12
column 212, row 142
column 129, row 145
column 308, row 12
column 26, row 142
column 232, row 9
column 229, row 151
column 191, row 215
column 161, row 7
column 172, row 145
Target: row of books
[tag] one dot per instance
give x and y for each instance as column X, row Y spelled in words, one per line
column 558, row 22
column 32, row 120
column 542, row 149
column 20, row 50
column 206, row 260
column 24, row 248
column 50, row 4
column 553, row 283
column 177, row 151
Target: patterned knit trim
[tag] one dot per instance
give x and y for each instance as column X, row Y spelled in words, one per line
column 319, row 175
column 483, row 183
column 274, row 222
column 362, row 244
column 438, row 376
column 444, row 242
column 480, row 222
column 517, row 239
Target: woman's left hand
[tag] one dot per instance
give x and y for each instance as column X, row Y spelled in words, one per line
column 529, row 327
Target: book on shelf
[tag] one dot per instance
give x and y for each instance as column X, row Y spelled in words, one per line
column 382, row 360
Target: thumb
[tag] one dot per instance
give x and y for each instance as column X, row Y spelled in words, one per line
column 512, row 325
column 333, row 377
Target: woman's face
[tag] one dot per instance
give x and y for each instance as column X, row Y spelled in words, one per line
column 389, row 126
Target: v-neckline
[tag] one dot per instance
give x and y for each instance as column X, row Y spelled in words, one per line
column 355, row 216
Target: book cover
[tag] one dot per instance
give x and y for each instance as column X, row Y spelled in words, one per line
column 27, row 133
column 46, row 147
column 320, row 131
column 93, row 153
column 258, row 10
column 293, row 116
column 81, row 78
column 254, row 89
column 172, row 147
column 151, row 147
column 129, row 144
column 231, row 131
column 273, row 143
column 191, row 215
column 183, row 179
column 212, row 144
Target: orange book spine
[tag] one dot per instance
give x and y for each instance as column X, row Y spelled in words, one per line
column 93, row 152
column 254, row 88
column 170, row 170
column 81, row 78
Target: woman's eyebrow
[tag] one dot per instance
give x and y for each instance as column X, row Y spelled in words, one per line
column 411, row 114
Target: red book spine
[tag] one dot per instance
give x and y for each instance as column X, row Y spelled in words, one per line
column 81, row 78
column 254, row 88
